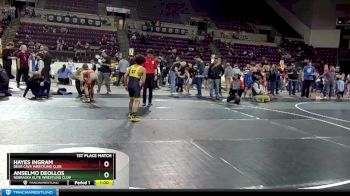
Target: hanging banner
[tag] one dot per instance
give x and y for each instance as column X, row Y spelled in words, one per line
column 168, row 30
column 74, row 20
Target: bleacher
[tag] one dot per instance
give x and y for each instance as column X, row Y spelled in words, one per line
column 238, row 57
column 232, row 24
column 86, row 6
column 159, row 43
column 37, row 34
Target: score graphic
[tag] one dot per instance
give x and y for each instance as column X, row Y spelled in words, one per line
column 79, row 169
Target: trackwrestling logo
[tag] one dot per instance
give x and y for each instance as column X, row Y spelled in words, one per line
column 29, row 192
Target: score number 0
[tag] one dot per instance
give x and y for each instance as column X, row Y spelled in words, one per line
column 106, row 164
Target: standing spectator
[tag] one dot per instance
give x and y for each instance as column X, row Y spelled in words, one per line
column 180, row 77
column 278, row 80
column 7, row 56
column 236, row 70
column 228, row 76
column 173, row 73
column 340, row 88
column 151, row 66
column 47, row 58
column 272, row 78
column 292, row 79
column 200, row 74
column 223, row 70
column 307, row 77
column 215, row 73
column 348, row 85
column 206, row 78
column 23, row 68
column 187, row 80
column 248, row 80
column 33, row 62
column 105, row 73
column 330, row 78
column 122, row 68
column 39, row 67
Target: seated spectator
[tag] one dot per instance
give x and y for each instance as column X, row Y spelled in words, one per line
column 258, row 93
column 63, row 75
column 78, row 45
column 64, row 30
column 133, row 37
column 4, row 82
column 60, row 43
column 236, row 89
column 87, row 46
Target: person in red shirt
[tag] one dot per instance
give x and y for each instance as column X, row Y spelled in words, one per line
column 151, row 66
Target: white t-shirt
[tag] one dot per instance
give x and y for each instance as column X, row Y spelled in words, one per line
column 40, row 65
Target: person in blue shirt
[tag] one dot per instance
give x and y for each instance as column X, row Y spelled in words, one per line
column 340, row 88
column 248, row 81
column 63, row 75
column 307, row 78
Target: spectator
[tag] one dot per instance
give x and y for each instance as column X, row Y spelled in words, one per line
column 258, row 93
column 4, row 82
column 228, row 76
column 60, row 43
column 133, row 37
column 236, row 70
column 23, row 68
column 308, row 76
column 7, row 56
column 200, row 74
column 292, row 79
column 330, row 82
column 63, row 75
column 47, row 58
column 33, row 62
column 87, row 46
column 78, row 45
column 122, row 68
column 40, row 64
column 173, row 73
column 248, row 79
column 215, row 73
column 105, row 73
column 236, row 89
column 340, row 88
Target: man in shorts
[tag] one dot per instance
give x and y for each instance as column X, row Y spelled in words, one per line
column 134, row 80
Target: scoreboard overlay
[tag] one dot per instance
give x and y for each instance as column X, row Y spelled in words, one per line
column 76, row 169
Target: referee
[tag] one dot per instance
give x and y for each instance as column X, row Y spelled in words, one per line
column 151, row 66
